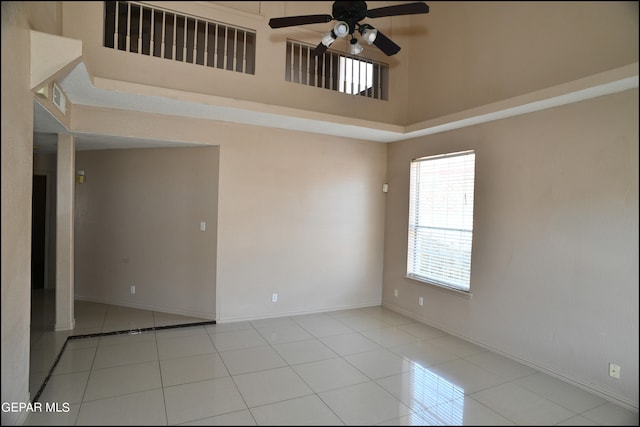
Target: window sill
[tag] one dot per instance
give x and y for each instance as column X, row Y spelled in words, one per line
column 452, row 291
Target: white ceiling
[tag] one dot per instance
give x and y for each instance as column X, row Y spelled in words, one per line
column 79, row 90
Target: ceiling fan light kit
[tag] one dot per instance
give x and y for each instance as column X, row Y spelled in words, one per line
column 328, row 39
column 354, row 46
column 348, row 15
column 368, row 33
column 341, row 29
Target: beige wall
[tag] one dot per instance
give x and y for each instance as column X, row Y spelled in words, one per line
column 17, row 122
column 555, row 246
column 137, row 221
column 17, row 169
column 474, row 53
column 300, row 215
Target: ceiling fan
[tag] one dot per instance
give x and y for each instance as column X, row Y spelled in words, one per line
column 348, row 15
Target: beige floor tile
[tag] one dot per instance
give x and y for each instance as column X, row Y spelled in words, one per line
column 329, row 374
column 321, row 325
column 388, row 337
column 144, row 408
column 560, row 392
column 458, row 346
column 422, row 331
column 610, row 414
column 364, row 404
column 75, row 360
column 413, row 419
column 349, row 343
column 465, row 411
column 251, row 359
column 307, row 410
column 240, row 418
column 469, row 377
column 192, row 368
column 125, row 354
column 500, row 365
column 60, row 418
column 270, row 386
column 119, row 380
column 182, row 346
column 522, row 406
column 67, row 388
column 421, row 389
column 194, row 401
column 380, row 363
column 304, row 351
column 424, row 353
column 236, row 339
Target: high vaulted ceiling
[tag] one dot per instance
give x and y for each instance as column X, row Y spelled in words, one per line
column 77, row 85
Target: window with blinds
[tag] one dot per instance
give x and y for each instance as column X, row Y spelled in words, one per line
column 441, row 220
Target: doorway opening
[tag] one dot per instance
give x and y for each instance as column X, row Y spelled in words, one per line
column 38, row 232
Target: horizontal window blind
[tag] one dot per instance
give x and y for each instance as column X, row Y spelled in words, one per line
column 441, row 219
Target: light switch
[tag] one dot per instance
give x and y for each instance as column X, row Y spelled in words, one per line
column 203, row 226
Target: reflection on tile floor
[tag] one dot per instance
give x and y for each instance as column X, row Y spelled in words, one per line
column 368, row 366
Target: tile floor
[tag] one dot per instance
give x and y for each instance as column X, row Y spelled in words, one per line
column 368, row 366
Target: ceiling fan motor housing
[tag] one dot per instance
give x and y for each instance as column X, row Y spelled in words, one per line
column 350, row 12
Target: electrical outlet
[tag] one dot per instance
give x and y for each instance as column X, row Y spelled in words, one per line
column 274, row 298
column 420, row 301
column 614, row 371
column 133, row 289
column 395, row 292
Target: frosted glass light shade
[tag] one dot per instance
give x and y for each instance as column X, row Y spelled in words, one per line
column 341, row 29
column 355, row 48
column 328, row 39
column 369, row 35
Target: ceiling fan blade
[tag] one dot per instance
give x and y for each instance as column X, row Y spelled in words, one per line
column 386, row 45
column 290, row 21
column 401, row 9
column 319, row 50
